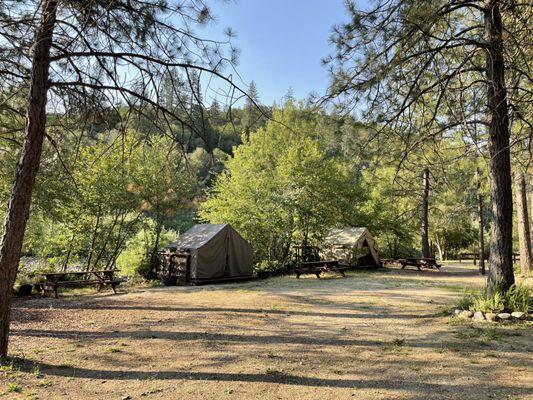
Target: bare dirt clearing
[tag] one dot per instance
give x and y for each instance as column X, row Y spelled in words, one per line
column 372, row 335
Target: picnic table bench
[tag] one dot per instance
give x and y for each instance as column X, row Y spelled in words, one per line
column 54, row 280
column 419, row 263
column 318, row 267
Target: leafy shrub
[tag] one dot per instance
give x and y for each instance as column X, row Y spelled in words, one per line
column 517, row 298
column 265, row 268
column 134, row 259
column 466, row 302
column 487, row 303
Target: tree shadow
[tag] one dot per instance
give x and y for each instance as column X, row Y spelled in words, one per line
column 419, row 388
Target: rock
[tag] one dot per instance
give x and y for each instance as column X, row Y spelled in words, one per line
column 491, row 317
column 518, row 315
column 456, row 312
column 466, row 314
column 504, row 316
column 478, row 316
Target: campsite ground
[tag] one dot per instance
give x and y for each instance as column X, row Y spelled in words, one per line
column 372, row 335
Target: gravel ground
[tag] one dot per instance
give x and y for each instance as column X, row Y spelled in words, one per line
column 372, row 335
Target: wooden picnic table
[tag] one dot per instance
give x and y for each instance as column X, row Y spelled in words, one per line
column 100, row 278
column 318, row 267
column 419, row 263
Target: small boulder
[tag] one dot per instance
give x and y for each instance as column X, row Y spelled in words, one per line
column 466, row 314
column 478, row 316
column 518, row 315
column 456, row 312
column 491, row 317
column 504, row 316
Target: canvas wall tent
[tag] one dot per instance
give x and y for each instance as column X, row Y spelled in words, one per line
column 216, row 252
column 351, row 246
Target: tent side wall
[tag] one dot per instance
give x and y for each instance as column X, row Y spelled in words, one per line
column 240, row 256
column 209, row 261
column 352, row 254
column 225, row 257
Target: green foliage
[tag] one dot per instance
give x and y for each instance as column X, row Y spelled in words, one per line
column 268, row 268
column 517, row 298
column 465, row 302
column 281, row 188
column 489, row 303
column 135, row 259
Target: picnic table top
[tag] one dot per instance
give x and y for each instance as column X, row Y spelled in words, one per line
column 319, row 262
column 77, row 272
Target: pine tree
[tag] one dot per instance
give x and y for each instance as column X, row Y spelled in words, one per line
column 78, row 55
column 405, row 57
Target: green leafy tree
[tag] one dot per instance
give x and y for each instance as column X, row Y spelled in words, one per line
column 281, row 188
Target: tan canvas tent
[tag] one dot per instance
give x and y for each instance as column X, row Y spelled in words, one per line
column 351, row 246
column 216, row 252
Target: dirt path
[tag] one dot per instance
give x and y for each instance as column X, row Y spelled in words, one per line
column 378, row 335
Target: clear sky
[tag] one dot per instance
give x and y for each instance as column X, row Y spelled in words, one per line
column 281, row 41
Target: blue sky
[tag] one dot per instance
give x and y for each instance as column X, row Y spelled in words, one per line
column 281, row 41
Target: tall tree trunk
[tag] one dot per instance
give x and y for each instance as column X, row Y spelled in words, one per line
column 19, row 203
column 440, row 248
column 530, row 191
column 154, row 259
column 501, row 274
column 524, row 235
column 425, row 215
column 481, row 224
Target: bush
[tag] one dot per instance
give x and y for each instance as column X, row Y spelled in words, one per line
column 265, row 269
column 517, row 298
column 466, row 302
column 487, row 303
column 134, row 259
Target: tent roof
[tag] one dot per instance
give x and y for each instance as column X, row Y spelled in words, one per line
column 345, row 236
column 197, row 236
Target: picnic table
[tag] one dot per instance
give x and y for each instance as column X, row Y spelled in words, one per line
column 419, row 263
column 54, row 280
column 318, row 267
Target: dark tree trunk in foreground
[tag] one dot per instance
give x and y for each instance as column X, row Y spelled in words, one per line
column 19, row 202
column 501, row 275
column 481, row 224
column 522, row 219
column 425, row 215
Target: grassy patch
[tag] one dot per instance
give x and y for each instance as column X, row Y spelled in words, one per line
column 45, row 383
column 273, row 371
column 397, row 345
column 66, row 365
column 114, row 350
column 484, row 335
column 13, row 387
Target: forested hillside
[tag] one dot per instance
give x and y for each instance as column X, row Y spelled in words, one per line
column 122, row 186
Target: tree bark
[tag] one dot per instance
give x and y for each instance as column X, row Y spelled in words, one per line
column 481, row 224
column 425, row 215
column 501, row 275
column 529, row 190
column 522, row 219
column 19, row 202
